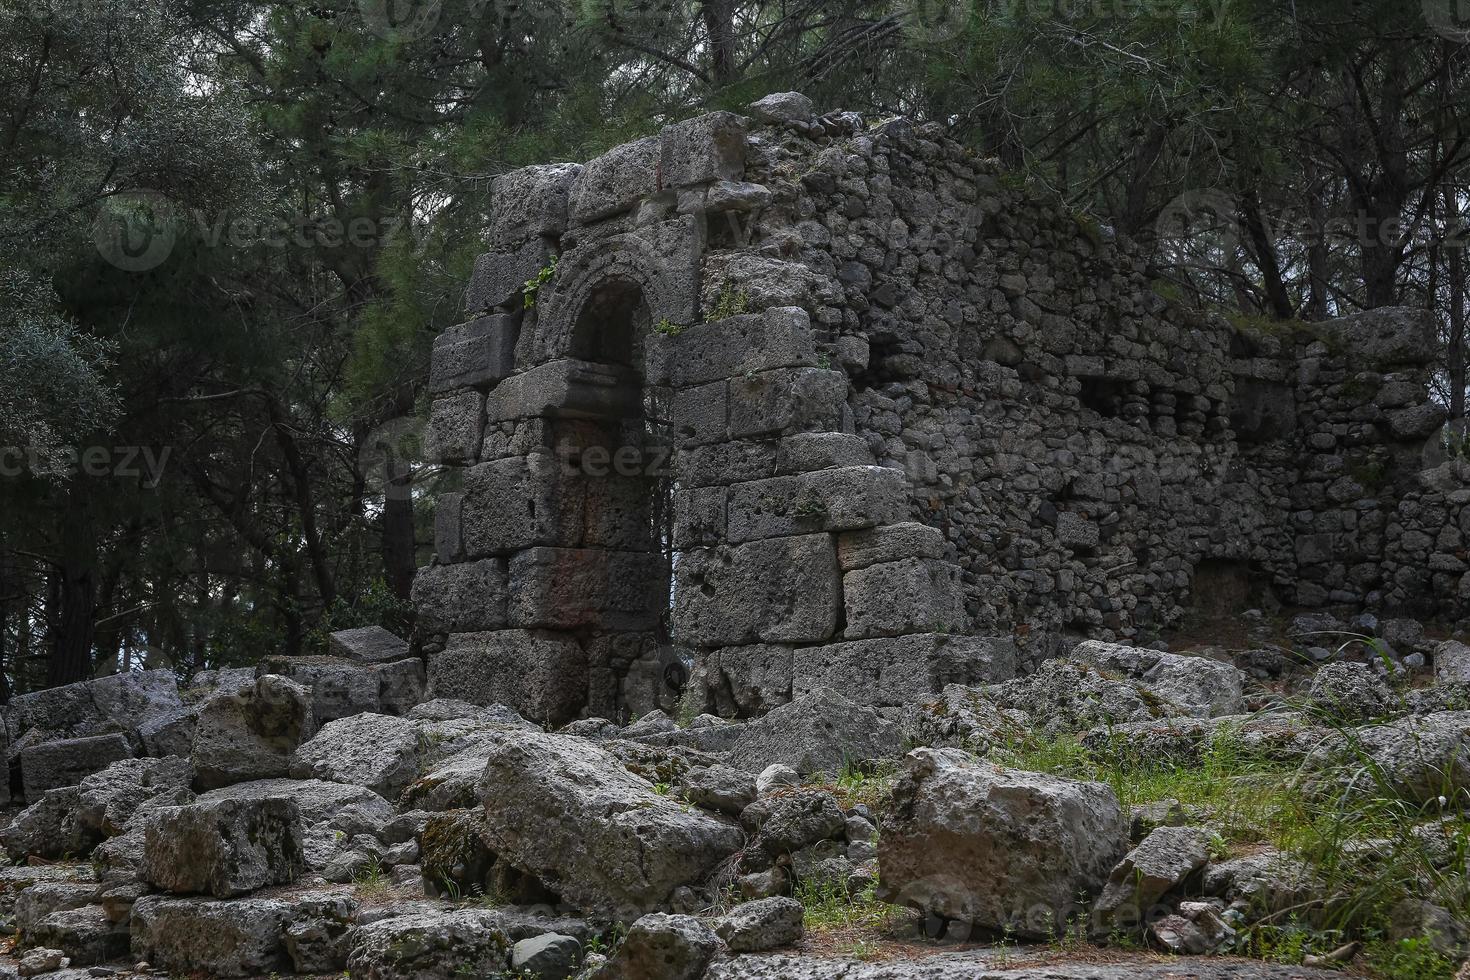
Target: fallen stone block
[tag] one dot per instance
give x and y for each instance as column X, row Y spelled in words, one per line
column 1163, row 861
column 671, row 947
column 435, row 943
column 997, row 848
column 902, row 670
column 368, row 644
column 237, row 938
column 1204, row 687
column 109, row 800
column 251, row 735
column 818, row 732
column 223, row 848
column 541, row 675
column 85, row 935
column 52, row 765
column 759, row 926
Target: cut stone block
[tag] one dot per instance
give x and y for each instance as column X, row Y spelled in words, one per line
column 787, row 400
column 750, row 680
column 723, row 349
column 368, row 644
column 250, row 734
column 223, row 847
column 500, row 278
column 86, row 935
column 781, row 590
column 568, row 588
column 52, row 765
column 543, row 676
column 873, row 546
column 515, row 503
column 701, row 414
column 448, row 536
column 723, row 463
column 844, row 499
column 808, row 451
column 480, row 352
column 530, row 202
column 462, row 598
column 239, row 938
column 616, row 181
column 456, row 428
column 1076, row 532
column 902, row 670
column 566, row 388
column 699, row 516
column 703, row 149
column 916, row 595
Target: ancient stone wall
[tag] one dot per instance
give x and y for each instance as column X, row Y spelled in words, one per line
column 763, row 405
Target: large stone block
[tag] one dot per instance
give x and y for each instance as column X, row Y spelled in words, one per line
column 699, row 517
column 456, row 428
column 703, row 149
column 448, row 533
column 616, row 181
column 616, row 848
column 531, row 202
column 500, row 278
column 998, row 848
column 223, row 847
column 701, row 414
column 51, row 765
column 787, row 400
column 873, row 546
column 722, row 349
column 120, row 702
column 808, row 451
column 520, row 502
column 569, row 588
column 367, row 644
column 250, row 734
column 461, row 598
column 338, row 688
column 781, row 590
column 723, row 463
column 541, row 675
column 915, row 595
column 480, row 352
column 749, row 680
column 844, row 499
column 901, row 670
column 239, row 938
column 566, row 388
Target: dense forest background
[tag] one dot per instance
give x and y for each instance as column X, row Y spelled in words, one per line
column 230, row 229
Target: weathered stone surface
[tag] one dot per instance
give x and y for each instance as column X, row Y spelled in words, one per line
column 223, row 847
column 705, row 148
column 786, row 400
column 895, row 542
column 1203, row 687
column 85, row 935
column 541, row 675
column 719, row 788
column 779, row 107
column 355, row 809
column 316, row 931
column 473, row 354
column 380, row 752
column 51, row 765
column 1163, row 861
column 617, row 849
column 840, row 499
column 720, row 349
column 995, row 847
column 109, row 800
column 983, row 966
column 1452, row 663
column 781, row 590
column 40, row 900
column 499, row 280
column 818, row 732
column 1421, row 758
column 171, row 733
column 616, row 180
column 749, row 680
column 756, row 927
column 251, row 735
column 238, row 938
column 515, row 503
column 461, row 598
column 1066, row 696
column 530, row 201
column 1353, row 692
column 902, row 670
column 572, row 588
column 550, row 956
column 456, row 428
column 117, row 703
column 49, row 828
column 675, row 947
column 368, row 644
column 914, row 595
column 429, row 945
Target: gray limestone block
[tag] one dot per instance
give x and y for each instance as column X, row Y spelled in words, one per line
column 807, row 451
column 456, row 427
column 780, row 590
column 531, row 202
column 616, row 181
column 223, row 847
column 703, row 149
column 779, row 107
column 902, row 670
column 236, row 938
column 519, row 502
column 448, row 535
column 894, row 542
column 570, row 588
column 479, row 352
column 843, row 499
column 699, row 516
column 462, row 598
column 568, row 388
column 700, row 415
column 914, row 595
column 723, row 463
column 51, row 765
column 541, row 675
column 500, row 278
column 787, row 400
column 721, row 349
column 749, row 680
column 367, row 644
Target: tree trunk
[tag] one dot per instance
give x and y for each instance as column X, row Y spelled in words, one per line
column 400, row 560
column 1455, row 252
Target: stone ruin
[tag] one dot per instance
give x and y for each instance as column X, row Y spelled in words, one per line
column 761, row 406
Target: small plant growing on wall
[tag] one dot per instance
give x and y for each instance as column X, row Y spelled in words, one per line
column 541, row 278
column 668, row 328
column 730, row 302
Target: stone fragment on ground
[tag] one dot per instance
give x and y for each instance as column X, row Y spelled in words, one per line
column 1163, row 861
column 820, row 732
column 761, row 926
column 996, row 848
column 223, row 847
column 670, row 947
column 1203, row 687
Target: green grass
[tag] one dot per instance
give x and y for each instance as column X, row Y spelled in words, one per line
column 828, row 908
